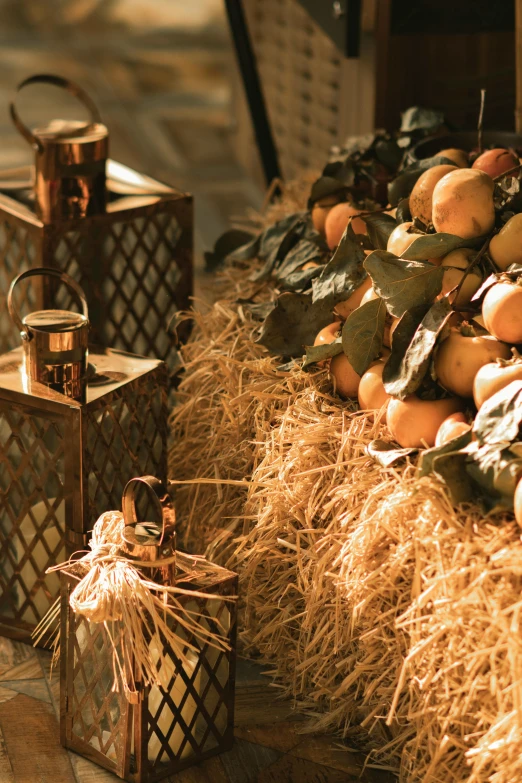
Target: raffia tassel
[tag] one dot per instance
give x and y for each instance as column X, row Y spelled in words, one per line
column 110, row 589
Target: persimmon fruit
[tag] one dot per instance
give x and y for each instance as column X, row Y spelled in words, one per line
column 337, row 220
column 456, row 424
column 371, row 393
column 496, row 162
column 493, row 377
column 346, row 379
column 422, row 193
column 505, row 247
column 459, row 357
column 463, row 203
column 502, row 312
column 414, row 423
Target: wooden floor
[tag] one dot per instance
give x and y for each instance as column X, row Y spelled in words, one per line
column 269, row 744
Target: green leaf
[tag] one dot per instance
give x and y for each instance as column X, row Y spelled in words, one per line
column 437, row 245
column 499, row 419
column 403, row 284
column 293, row 323
column 403, row 214
column 452, row 469
column 408, row 364
column 380, row 226
column 324, row 187
column 362, row 334
column 304, row 250
column 318, row 353
column 387, row 454
column 342, row 274
column 225, row 245
column 402, row 185
column 495, row 469
column 418, row 118
column 428, row 456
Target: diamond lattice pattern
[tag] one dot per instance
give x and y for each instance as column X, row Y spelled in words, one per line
column 97, row 713
column 125, row 438
column 18, row 252
column 32, row 512
column 189, row 716
column 130, row 276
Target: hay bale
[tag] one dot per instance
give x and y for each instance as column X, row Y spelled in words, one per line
column 377, row 603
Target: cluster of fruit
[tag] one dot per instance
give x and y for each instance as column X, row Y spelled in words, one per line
column 472, row 353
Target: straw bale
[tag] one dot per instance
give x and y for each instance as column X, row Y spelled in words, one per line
column 387, row 614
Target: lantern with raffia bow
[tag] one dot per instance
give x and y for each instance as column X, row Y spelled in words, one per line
column 147, row 647
column 124, row 237
column 75, row 423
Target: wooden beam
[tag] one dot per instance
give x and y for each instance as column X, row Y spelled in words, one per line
column 518, row 66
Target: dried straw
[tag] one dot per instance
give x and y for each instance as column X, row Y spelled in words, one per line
column 385, row 612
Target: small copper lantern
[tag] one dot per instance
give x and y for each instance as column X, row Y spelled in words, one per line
column 75, row 423
column 164, row 729
column 124, row 237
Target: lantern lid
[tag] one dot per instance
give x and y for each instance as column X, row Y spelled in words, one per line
column 71, row 131
column 55, row 321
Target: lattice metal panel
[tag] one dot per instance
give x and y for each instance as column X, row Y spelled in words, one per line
column 125, row 436
column 19, row 250
column 134, row 294
column 32, row 514
column 182, row 722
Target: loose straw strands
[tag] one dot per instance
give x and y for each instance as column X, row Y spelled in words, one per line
column 387, row 614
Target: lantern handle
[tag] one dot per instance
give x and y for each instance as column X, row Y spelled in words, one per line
column 57, row 81
column 162, row 501
column 42, row 270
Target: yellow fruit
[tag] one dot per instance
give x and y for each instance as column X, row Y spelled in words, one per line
column 400, row 240
column 336, row 221
column 320, row 211
column 352, row 303
column 463, row 203
column 328, row 334
column 371, row 392
column 502, row 311
column 459, row 157
column 518, row 503
column 496, row 162
column 421, row 195
column 346, row 379
column 370, row 294
column 460, row 259
column 414, row 423
column 505, row 247
column 452, row 427
column 493, row 377
column 459, row 358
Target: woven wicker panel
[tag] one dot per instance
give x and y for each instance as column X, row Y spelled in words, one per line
column 32, row 514
column 315, row 97
column 125, row 435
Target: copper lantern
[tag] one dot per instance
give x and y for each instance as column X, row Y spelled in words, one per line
column 75, row 423
column 164, row 729
column 126, row 238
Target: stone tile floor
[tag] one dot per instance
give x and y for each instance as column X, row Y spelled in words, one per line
column 269, row 744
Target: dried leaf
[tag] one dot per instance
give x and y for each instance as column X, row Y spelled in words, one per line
column 379, row 226
column 342, row 274
column 318, row 353
column 362, row 334
column 408, row 364
column 403, row 214
column 403, row 284
column 293, row 323
column 387, row 454
column 275, row 243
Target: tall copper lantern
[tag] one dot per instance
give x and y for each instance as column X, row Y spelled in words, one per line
column 160, row 729
column 126, row 238
column 75, row 423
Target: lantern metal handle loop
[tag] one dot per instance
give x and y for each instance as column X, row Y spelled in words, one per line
column 43, row 271
column 57, row 81
column 161, row 499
